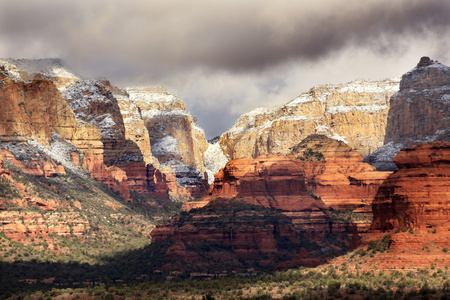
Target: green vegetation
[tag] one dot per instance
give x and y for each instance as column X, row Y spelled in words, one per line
column 380, row 246
column 314, row 196
column 349, row 216
column 308, row 155
column 327, row 282
column 88, row 222
column 7, row 190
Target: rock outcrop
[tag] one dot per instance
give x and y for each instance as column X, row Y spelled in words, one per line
column 32, row 109
column 237, row 235
column 43, row 107
column 52, row 69
column 419, row 112
column 255, row 206
column 321, row 167
column 232, row 236
column 176, row 140
column 272, row 181
column 135, row 129
column 417, row 195
column 336, row 173
column 355, row 113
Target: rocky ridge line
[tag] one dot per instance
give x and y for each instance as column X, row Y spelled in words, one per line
column 355, row 113
column 419, row 112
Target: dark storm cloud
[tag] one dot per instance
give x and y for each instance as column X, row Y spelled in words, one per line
column 224, row 58
column 234, row 35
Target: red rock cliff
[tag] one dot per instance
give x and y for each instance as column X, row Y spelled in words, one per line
column 418, row 194
column 336, row 173
column 33, row 110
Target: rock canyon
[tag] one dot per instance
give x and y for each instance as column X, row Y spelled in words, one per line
column 83, row 162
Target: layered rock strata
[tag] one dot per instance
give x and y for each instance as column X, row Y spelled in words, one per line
column 135, row 129
column 176, row 140
column 255, row 206
column 336, row 173
column 320, row 167
column 355, row 113
column 52, row 69
column 229, row 235
column 417, row 195
column 84, row 113
column 419, row 112
column 32, row 110
column 233, row 235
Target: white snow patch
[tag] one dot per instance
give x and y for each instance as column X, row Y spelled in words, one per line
column 345, row 109
column 432, row 138
column 10, row 70
column 338, row 137
column 322, row 128
column 49, row 67
column 167, row 144
column 303, row 98
column 80, row 95
column 214, row 160
column 59, row 152
column 155, row 113
column 151, row 95
column 375, row 87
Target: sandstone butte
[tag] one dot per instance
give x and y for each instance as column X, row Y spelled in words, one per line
column 231, row 235
column 417, row 196
column 355, row 112
column 327, row 168
column 412, row 206
column 275, row 182
column 419, row 112
column 336, row 173
column 176, row 140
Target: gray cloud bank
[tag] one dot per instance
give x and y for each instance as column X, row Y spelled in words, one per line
column 230, row 55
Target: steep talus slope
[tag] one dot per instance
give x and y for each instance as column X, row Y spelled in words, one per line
column 176, row 140
column 419, row 112
column 355, row 113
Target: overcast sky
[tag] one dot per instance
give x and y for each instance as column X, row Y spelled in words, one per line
column 224, row 58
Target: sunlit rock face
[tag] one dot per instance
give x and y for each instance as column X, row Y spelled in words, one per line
column 260, row 213
column 337, row 174
column 176, row 140
column 419, row 112
column 46, row 108
column 32, row 109
column 418, row 194
column 355, row 112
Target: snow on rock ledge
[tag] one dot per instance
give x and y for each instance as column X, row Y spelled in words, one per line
column 355, row 113
column 176, row 140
